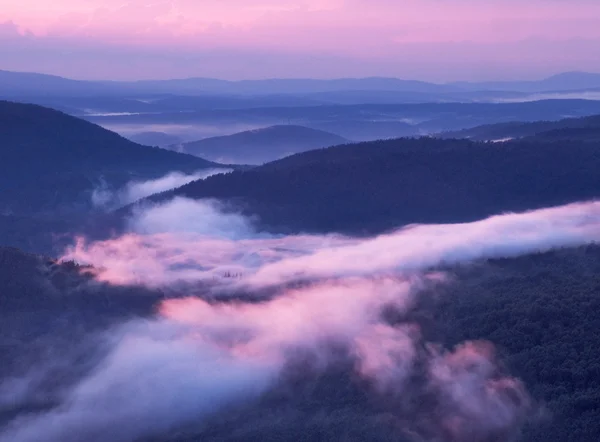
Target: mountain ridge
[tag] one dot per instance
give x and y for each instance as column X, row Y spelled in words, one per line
column 258, row 146
column 52, row 163
column 31, row 83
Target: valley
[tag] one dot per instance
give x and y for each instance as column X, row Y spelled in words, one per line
column 332, row 261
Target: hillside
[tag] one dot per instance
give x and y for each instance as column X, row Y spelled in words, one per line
column 537, row 310
column 261, row 145
column 584, row 128
column 50, row 160
column 371, row 187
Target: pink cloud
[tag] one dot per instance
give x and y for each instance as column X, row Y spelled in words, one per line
column 302, row 24
column 165, row 251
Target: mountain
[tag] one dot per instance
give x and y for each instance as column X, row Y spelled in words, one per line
column 52, row 165
column 585, row 128
column 430, row 117
column 50, row 159
column 372, row 187
column 15, row 84
column 192, row 86
column 353, row 97
column 566, row 81
column 28, row 84
column 261, row 145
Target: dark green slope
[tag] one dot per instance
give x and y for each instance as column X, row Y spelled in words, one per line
column 541, row 312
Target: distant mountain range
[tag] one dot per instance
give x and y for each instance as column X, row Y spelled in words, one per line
column 14, row 84
column 260, row 145
column 355, row 122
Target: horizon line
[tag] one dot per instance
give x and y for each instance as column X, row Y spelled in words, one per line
column 372, row 77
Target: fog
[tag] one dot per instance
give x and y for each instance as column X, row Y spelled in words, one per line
column 192, row 241
column 105, row 198
column 317, row 303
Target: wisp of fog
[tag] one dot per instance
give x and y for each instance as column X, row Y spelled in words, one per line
column 106, row 198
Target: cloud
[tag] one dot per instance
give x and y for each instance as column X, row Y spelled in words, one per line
column 9, row 30
column 471, row 40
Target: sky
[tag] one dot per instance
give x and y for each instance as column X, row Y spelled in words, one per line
column 434, row 40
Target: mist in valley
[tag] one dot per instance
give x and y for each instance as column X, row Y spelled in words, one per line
column 307, row 221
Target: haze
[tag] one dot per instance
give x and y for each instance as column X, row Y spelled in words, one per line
column 237, row 39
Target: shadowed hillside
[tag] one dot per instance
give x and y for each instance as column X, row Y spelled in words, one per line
column 375, row 186
column 50, row 160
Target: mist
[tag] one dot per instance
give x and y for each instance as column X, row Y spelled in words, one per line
column 194, row 241
column 257, row 310
column 104, row 197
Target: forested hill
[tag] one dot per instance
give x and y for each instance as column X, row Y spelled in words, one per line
column 48, row 158
column 374, row 186
column 262, row 145
column 568, row 128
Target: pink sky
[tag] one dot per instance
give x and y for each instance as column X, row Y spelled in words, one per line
column 430, row 39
